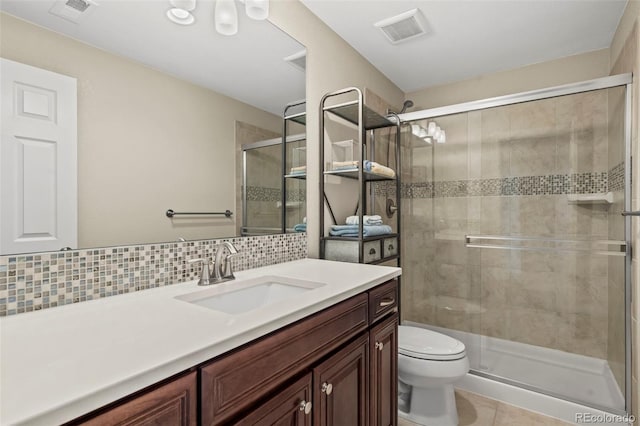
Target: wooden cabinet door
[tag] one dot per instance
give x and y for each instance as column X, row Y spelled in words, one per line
column 340, row 386
column 291, row 407
column 172, row 404
column 383, row 341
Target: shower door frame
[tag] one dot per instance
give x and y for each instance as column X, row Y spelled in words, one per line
column 553, row 92
column 257, row 145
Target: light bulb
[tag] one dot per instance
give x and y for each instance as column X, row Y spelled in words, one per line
column 431, row 128
column 180, row 16
column 226, row 17
column 257, row 9
column 437, row 133
column 442, row 138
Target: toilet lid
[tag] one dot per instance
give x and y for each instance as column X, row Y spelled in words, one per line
column 426, row 344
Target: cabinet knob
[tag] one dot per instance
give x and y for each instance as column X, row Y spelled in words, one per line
column 327, row 388
column 372, row 251
column 305, row 406
column 379, row 346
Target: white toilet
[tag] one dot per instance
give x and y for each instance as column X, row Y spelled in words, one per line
column 428, row 365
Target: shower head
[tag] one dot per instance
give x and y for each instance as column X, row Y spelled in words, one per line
column 405, row 105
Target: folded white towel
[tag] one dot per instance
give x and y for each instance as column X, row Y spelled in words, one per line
column 367, row 220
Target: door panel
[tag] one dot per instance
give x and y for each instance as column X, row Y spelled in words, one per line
column 384, row 373
column 341, row 387
column 38, row 160
column 291, row 407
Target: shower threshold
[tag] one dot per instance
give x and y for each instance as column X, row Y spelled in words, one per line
column 576, row 378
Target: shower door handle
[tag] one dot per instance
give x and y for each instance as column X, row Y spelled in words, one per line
column 635, row 213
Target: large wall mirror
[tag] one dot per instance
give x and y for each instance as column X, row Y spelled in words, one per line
column 165, row 113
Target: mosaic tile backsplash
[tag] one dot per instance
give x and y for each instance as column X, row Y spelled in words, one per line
column 37, row 281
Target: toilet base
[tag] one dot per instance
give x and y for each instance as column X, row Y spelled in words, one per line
column 432, row 406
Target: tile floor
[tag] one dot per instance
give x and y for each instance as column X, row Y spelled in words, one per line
column 475, row 410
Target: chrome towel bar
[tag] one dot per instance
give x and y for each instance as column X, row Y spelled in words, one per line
column 170, row 213
column 475, row 241
column 635, row 213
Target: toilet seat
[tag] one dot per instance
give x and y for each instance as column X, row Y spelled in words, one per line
column 426, row 344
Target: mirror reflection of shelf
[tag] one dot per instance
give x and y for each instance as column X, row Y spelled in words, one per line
column 302, row 176
column 353, row 174
column 290, row 204
column 596, row 198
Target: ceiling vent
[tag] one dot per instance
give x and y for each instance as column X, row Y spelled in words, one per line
column 298, row 60
column 73, row 10
column 403, row 27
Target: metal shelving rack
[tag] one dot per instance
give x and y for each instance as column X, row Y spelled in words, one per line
column 294, row 112
column 366, row 120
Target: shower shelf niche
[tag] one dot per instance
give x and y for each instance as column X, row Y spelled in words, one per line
column 598, row 198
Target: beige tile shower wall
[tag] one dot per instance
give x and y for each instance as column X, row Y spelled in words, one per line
column 556, row 300
column 626, row 58
column 125, row 157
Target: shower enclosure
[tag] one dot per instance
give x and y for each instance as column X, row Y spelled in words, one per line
column 262, row 201
column 514, row 240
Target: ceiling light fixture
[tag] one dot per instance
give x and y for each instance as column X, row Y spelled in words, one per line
column 226, row 17
column 225, row 13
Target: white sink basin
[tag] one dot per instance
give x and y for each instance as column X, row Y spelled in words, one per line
column 238, row 297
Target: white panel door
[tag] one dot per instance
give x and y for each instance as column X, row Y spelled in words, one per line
column 38, row 160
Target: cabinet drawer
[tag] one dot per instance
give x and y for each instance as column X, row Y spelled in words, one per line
column 382, row 300
column 389, row 247
column 234, row 383
column 347, row 250
column 372, row 251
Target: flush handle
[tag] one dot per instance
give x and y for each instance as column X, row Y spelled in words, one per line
column 327, row 388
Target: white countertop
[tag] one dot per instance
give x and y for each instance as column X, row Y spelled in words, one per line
column 59, row 363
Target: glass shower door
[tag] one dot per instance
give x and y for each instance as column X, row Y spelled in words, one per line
column 262, row 188
column 514, row 242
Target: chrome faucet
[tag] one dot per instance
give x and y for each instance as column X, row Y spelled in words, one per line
column 222, row 269
column 205, row 276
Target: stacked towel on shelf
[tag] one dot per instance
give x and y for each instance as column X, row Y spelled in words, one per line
column 352, row 230
column 300, row 227
column 369, row 166
column 367, row 220
column 300, row 170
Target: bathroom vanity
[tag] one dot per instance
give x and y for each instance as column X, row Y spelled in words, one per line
column 328, row 356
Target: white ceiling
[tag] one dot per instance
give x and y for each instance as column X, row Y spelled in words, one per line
column 248, row 66
column 468, row 38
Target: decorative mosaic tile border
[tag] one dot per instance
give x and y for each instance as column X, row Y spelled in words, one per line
column 37, row 281
column 259, row 193
column 616, row 178
column 576, row 183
